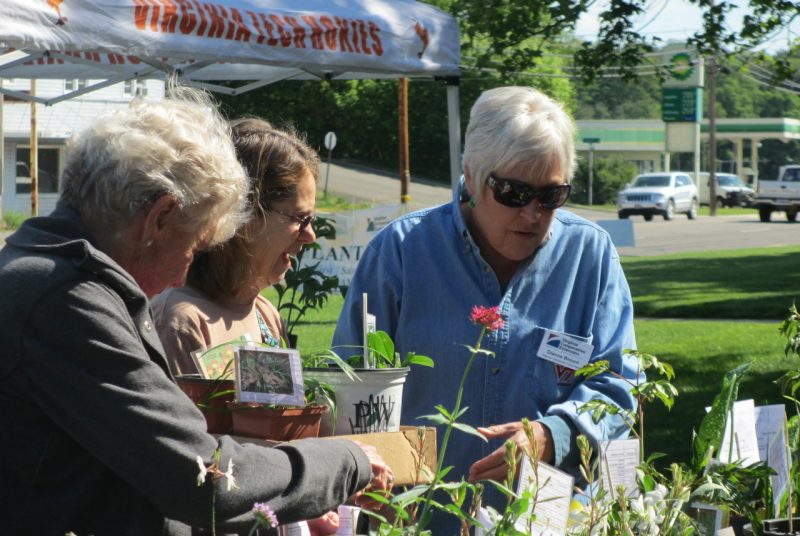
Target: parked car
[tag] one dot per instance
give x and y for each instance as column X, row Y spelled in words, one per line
column 782, row 194
column 731, row 190
column 659, row 193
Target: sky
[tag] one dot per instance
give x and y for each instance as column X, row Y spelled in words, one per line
column 677, row 20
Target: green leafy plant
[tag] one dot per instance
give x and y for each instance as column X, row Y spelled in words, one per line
column 643, row 391
column 305, row 287
column 381, row 349
column 790, row 386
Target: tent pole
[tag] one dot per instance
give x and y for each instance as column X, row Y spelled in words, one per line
column 2, row 149
column 402, row 138
column 454, row 128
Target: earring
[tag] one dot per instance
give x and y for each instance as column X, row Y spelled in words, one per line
column 148, row 243
column 472, row 202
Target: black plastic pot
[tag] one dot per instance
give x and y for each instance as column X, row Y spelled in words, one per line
column 776, row 527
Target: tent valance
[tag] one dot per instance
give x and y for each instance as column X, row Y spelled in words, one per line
column 255, row 42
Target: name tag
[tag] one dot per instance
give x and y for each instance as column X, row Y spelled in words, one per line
column 565, row 349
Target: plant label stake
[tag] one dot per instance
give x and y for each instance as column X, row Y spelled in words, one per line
column 369, row 326
column 330, row 143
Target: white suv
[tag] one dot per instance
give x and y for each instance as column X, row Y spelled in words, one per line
column 658, row 193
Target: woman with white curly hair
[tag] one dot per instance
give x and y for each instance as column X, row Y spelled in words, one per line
column 97, row 437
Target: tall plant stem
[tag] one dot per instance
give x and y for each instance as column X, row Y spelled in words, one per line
column 447, row 430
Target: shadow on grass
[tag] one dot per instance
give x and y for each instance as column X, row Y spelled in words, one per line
column 732, row 285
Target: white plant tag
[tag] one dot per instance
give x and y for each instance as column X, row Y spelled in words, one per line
column 618, row 462
column 553, row 498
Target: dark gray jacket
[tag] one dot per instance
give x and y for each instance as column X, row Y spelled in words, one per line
column 95, row 437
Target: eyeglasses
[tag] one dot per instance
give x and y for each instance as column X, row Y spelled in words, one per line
column 517, row 194
column 304, row 221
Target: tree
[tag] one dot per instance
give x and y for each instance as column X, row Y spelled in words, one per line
column 513, row 36
column 611, row 174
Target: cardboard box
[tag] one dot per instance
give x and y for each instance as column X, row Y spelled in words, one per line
column 400, row 450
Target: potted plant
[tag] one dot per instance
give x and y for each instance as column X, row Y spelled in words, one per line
column 274, row 399
column 369, row 398
column 212, row 389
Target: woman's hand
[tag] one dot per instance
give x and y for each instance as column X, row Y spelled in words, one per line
column 493, row 466
column 324, row 525
column 382, row 477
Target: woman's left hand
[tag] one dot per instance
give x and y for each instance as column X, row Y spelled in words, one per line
column 493, row 466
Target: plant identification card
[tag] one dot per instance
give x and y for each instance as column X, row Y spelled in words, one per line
column 741, row 425
column 269, row 376
column 618, row 462
column 553, row 498
column 778, row 459
column 564, row 349
column 769, row 423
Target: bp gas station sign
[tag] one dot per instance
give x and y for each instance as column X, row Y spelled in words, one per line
column 682, row 93
column 681, row 104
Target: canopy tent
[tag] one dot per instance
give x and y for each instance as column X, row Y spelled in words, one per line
column 250, row 42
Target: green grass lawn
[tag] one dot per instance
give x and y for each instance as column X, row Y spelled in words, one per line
column 748, row 283
column 708, row 292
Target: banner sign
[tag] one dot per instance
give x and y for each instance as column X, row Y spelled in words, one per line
column 354, row 230
column 230, row 39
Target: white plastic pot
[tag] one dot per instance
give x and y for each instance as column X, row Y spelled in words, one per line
column 373, row 404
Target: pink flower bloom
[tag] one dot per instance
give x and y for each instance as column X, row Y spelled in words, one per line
column 488, row 317
column 264, row 515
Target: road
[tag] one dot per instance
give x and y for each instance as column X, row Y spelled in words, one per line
column 656, row 237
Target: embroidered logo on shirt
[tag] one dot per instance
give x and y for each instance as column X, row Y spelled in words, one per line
column 564, row 374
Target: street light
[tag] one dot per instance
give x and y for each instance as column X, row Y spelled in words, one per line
column 591, row 142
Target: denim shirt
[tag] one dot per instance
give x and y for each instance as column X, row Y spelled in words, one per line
column 424, row 272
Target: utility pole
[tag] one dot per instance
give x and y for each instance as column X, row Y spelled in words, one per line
column 402, row 138
column 34, row 156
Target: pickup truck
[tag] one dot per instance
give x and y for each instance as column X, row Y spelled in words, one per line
column 779, row 195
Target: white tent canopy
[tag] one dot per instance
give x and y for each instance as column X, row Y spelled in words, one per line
column 254, row 42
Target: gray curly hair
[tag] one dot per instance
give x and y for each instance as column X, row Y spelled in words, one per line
column 180, row 146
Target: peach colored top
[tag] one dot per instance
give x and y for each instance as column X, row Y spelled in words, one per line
column 187, row 320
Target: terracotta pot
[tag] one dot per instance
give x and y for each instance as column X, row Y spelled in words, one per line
column 776, row 527
column 251, row 419
column 211, row 396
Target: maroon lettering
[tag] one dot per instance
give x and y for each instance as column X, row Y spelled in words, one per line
column 217, row 27
column 374, row 33
column 316, row 31
column 362, row 33
column 243, row 33
column 286, row 37
column 330, row 32
column 188, row 18
column 344, row 30
column 272, row 41
column 298, row 30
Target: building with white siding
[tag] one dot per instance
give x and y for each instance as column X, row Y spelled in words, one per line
column 54, row 125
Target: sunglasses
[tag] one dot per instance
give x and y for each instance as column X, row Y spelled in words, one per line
column 303, row 221
column 517, row 194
